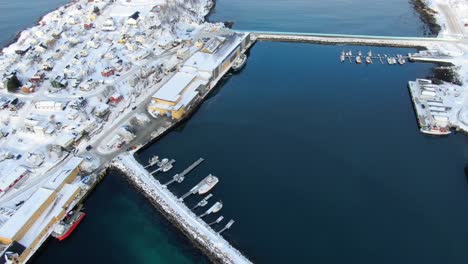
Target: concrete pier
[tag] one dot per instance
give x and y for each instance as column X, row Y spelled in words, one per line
column 216, row 247
column 181, row 176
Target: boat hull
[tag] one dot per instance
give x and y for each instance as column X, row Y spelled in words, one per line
column 435, row 132
column 72, row 228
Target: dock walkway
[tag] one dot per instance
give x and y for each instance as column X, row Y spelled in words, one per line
column 181, row 176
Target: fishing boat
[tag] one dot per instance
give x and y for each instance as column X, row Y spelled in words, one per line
column 239, row 63
column 342, row 57
column 207, row 184
column 358, row 59
column 438, row 131
column 167, row 167
column 217, row 207
column 401, row 60
column 66, row 227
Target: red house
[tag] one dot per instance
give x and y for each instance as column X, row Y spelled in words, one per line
column 108, row 72
column 115, row 98
column 38, row 77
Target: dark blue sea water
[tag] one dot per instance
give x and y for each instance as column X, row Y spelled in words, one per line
column 319, row 162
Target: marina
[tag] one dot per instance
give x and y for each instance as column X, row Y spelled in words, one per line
column 369, row 58
column 199, row 231
column 178, row 86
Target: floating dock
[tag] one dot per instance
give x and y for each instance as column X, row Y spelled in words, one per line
column 181, row 176
column 228, row 225
column 217, row 221
column 213, row 209
column 203, row 202
column 151, row 162
column 163, row 165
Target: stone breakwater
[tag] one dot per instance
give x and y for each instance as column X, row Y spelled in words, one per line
column 209, row 241
column 351, row 40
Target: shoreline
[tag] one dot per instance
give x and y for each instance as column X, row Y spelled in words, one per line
column 17, row 34
column 427, row 16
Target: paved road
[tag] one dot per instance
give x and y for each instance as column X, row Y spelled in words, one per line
column 454, row 24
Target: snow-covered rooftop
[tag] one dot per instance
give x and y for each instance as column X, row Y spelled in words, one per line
column 208, row 62
column 170, row 92
column 59, row 177
column 52, row 211
column 8, row 178
column 25, row 213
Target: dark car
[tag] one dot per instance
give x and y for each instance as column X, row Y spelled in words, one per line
column 89, row 147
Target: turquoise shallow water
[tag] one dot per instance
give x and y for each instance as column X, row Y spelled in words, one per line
column 319, row 162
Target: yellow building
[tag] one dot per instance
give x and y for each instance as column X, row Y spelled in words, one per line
column 17, row 226
column 34, row 219
column 176, row 96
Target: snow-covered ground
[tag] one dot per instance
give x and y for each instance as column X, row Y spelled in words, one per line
column 76, row 84
column 452, row 16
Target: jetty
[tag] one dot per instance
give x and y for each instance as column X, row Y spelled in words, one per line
column 216, row 247
column 228, row 225
column 181, row 176
column 203, row 202
column 346, row 39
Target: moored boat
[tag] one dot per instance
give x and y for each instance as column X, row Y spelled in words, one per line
column 342, row 56
column 368, row 60
column 358, row 59
column 207, row 184
column 239, row 62
column 438, row 131
column 401, row 60
column 66, row 227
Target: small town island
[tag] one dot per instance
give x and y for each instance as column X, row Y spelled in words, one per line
column 96, row 80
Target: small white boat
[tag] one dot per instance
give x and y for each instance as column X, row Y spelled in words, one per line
column 207, row 184
column 358, row 60
column 239, row 62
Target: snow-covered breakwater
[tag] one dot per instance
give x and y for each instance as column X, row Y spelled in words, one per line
column 214, row 245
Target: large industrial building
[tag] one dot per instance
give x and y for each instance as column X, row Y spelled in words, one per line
column 193, row 78
column 177, row 95
column 31, row 224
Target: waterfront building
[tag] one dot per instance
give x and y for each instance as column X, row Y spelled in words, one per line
column 33, row 221
column 176, row 96
column 12, row 177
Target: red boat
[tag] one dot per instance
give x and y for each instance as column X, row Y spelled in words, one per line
column 68, row 224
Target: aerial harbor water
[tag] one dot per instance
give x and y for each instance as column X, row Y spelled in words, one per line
column 318, row 161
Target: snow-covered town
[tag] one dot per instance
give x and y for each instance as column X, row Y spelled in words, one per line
column 91, row 80
column 96, row 80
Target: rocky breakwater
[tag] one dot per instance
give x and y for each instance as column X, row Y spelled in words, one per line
column 214, row 245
